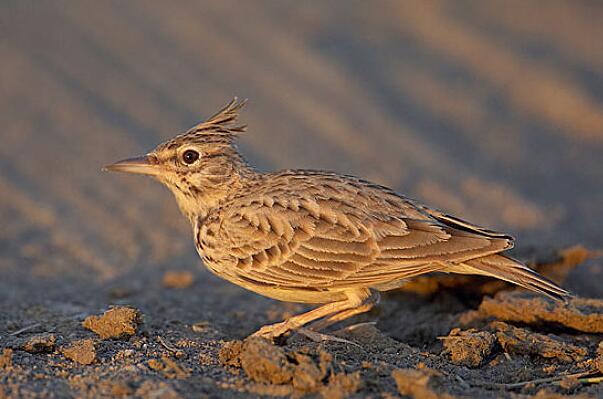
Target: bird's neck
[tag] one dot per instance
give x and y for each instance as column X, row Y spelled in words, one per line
column 218, row 189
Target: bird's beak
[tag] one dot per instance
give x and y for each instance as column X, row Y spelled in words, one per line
column 144, row 165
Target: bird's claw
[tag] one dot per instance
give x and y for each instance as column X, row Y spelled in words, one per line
column 320, row 337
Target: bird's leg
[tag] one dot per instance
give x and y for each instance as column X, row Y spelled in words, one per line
column 275, row 330
column 367, row 305
column 354, row 299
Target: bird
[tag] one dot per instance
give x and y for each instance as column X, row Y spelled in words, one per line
column 311, row 236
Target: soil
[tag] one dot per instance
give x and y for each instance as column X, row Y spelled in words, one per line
column 459, row 344
column 491, row 111
column 582, row 314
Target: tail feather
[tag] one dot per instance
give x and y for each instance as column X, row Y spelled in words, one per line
column 513, row 271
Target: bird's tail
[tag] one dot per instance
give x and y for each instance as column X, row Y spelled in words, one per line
column 513, row 271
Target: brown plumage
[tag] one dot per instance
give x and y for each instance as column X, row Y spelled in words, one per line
column 314, row 236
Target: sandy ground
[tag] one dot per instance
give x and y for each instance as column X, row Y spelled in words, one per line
column 490, row 110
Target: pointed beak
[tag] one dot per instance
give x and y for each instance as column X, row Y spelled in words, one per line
column 144, row 165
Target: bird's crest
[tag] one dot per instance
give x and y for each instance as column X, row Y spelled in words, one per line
column 222, row 123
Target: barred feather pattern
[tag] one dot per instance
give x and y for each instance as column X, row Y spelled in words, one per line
column 293, row 233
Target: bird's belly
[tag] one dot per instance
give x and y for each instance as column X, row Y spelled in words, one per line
column 286, row 294
column 295, row 295
column 281, row 293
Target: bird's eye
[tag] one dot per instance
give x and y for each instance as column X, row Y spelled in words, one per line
column 190, row 156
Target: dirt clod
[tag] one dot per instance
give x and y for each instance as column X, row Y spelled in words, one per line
column 469, row 348
column 265, row 363
column 230, row 352
column 547, row 393
column 169, row 368
column 522, row 341
column 419, row 384
column 120, row 389
column 580, row 314
column 307, row 375
column 599, row 360
column 178, row 279
column 81, row 351
column 342, row 385
column 118, row 322
column 42, row 343
column 156, row 390
column 6, row 360
column 567, row 260
column 569, row 383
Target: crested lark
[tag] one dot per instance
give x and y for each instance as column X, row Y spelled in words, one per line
column 314, row 236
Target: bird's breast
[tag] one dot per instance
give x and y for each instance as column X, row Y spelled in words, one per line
column 210, row 253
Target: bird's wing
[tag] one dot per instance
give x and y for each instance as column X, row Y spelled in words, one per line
column 461, row 224
column 328, row 243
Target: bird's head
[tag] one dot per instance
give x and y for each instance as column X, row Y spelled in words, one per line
column 201, row 167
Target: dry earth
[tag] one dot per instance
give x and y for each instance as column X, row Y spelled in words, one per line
column 490, row 110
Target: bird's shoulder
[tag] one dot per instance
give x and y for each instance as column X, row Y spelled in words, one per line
column 323, row 187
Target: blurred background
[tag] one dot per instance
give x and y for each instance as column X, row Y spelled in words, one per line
column 490, row 110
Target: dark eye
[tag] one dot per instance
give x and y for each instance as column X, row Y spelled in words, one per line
column 190, row 156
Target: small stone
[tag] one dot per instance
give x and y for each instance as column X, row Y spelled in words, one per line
column 200, row 327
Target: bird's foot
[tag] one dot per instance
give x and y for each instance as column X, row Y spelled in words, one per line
column 273, row 331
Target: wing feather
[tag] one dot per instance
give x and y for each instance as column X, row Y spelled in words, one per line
column 329, row 244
